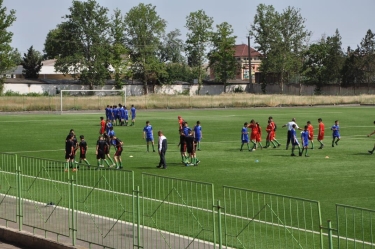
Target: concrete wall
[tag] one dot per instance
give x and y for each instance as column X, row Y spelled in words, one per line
column 210, row 89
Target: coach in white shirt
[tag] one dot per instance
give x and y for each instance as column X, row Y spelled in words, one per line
column 289, row 125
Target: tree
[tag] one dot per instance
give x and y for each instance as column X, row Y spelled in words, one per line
column 221, row 57
column 171, row 48
column 52, row 44
column 281, row 38
column 199, row 26
column 32, row 63
column 6, row 52
column 81, row 43
column 144, row 29
column 119, row 54
column 367, row 54
column 323, row 61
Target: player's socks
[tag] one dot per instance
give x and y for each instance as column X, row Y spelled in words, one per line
column 254, row 145
column 120, row 164
column 261, row 146
column 106, row 162
column 87, row 162
column 248, row 146
column 147, row 147
column 306, row 152
column 312, row 145
column 66, row 165
column 241, row 147
column 110, row 158
column 303, row 149
column 98, row 163
column 278, row 144
column 153, row 148
column 273, row 144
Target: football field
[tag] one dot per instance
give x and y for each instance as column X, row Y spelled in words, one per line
column 342, row 174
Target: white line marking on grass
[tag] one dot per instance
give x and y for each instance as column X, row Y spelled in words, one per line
column 30, row 151
column 196, row 208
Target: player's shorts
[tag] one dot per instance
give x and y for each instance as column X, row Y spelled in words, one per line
column 82, row 156
column 183, row 148
column 133, row 117
column 67, row 156
column 337, row 135
column 100, row 155
column 126, row 117
column 258, row 139
column 190, row 150
column 245, row 141
column 295, row 142
column 106, row 150
column 311, row 137
column 271, row 136
column 118, row 151
column 253, row 136
column 305, row 143
column 321, row 136
column 149, row 139
column 197, row 139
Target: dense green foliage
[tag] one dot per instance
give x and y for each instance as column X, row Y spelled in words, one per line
column 32, row 63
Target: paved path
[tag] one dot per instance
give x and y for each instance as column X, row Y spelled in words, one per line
column 3, row 245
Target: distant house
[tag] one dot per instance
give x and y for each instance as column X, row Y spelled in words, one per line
column 242, row 57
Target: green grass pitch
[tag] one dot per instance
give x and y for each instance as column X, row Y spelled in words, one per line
column 346, row 177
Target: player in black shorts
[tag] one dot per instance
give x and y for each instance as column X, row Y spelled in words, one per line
column 83, row 149
column 69, row 150
column 190, row 147
column 101, row 147
column 118, row 144
column 182, row 145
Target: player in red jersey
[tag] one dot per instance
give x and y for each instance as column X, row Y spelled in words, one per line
column 321, row 133
column 310, row 129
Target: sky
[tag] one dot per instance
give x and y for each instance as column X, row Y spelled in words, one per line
column 352, row 18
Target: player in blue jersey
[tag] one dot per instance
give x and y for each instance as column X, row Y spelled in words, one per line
column 335, row 133
column 305, row 137
column 108, row 125
column 122, row 115
column 133, row 115
column 126, row 116
column 245, row 136
column 198, row 135
column 108, row 112
column 148, row 134
column 115, row 115
column 112, row 118
column 186, row 129
column 295, row 140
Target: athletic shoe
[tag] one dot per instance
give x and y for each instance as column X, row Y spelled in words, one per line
column 187, row 164
column 336, row 143
column 117, row 167
column 370, row 152
column 274, row 147
column 293, row 154
column 113, row 165
column 333, row 145
column 306, row 155
column 197, row 163
column 74, row 170
column 101, row 166
column 278, row 145
column 158, row 166
column 153, row 151
column 300, row 154
column 240, row 149
column 163, row 168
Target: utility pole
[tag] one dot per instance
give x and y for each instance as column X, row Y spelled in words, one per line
column 249, row 57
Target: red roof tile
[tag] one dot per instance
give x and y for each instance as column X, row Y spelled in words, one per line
column 242, row 51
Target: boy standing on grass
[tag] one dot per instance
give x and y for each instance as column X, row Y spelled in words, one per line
column 254, row 133
column 69, row 150
column 83, row 149
column 289, row 126
column 245, row 136
column 373, row 149
column 335, row 133
column 126, row 116
column 102, row 126
column 107, row 139
column 118, row 144
column 190, row 147
column 148, row 134
column 182, row 145
column 270, row 135
column 310, row 128
column 295, row 140
column 133, row 115
column 305, row 137
column 321, row 133
column 101, row 147
column 259, row 135
column 198, row 135
column 274, row 127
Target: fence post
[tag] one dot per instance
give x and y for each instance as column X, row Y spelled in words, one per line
column 19, row 197
column 73, row 225
column 138, row 208
column 219, row 224
column 330, row 244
